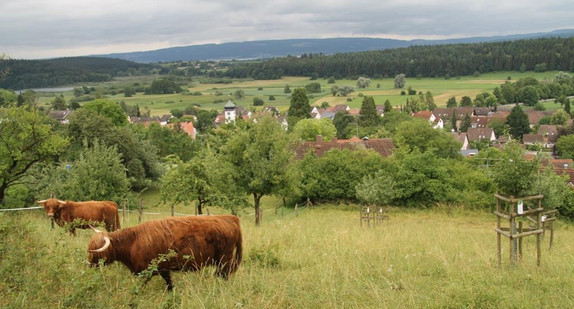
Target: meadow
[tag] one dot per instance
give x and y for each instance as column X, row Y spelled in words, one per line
column 214, row 96
column 316, row 258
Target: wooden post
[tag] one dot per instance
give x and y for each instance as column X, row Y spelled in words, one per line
column 520, row 242
column 296, row 204
column 539, row 235
column 498, row 236
column 512, row 226
column 140, row 211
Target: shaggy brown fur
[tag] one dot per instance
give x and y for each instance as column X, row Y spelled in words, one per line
column 62, row 212
column 198, row 241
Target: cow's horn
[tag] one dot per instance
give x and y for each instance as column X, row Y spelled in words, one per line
column 41, row 202
column 94, row 229
column 61, row 202
column 106, row 245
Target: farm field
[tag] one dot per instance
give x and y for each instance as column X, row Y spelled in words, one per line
column 319, row 258
column 214, row 96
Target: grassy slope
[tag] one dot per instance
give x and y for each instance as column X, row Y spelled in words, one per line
column 321, row 258
column 441, row 89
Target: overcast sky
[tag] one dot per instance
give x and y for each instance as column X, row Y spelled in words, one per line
column 33, row 29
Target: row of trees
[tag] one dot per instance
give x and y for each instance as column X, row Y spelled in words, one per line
column 423, row 61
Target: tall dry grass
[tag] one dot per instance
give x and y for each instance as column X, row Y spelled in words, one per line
column 321, row 258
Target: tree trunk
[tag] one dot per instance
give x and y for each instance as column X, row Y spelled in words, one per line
column 199, row 209
column 258, row 213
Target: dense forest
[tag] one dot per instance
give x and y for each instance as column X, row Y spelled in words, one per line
column 421, row 61
column 23, row 74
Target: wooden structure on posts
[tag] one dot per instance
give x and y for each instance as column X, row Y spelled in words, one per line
column 376, row 214
column 515, row 231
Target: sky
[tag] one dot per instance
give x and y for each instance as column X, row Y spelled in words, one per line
column 38, row 29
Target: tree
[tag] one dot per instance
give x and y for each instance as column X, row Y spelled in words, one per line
column 286, row 89
column 465, row 124
column 98, row 174
column 514, row 174
column 239, row 94
column 465, row 101
column 108, row 109
column 567, row 106
column 377, row 189
column 334, row 90
column 260, row 154
column 368, row 114
column 388, row 106
column 429, row 100
column 309, row 129
column 400, row 81
column 299, row 107
column 530, row 95
column 258, row 101
column 345, row 90
column 565, row 146
column 26, row 139
column 176, row 113
column 363, row 82
column 58, row 103
column 163, row 86
column 453, row 122
column 451, row 102
column 418, row 134
column 341, row 120
column 313, row 87
column 205, row 179
column 560, row 117
column 518, row 123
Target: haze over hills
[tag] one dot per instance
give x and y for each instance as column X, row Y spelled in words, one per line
column 296, row 47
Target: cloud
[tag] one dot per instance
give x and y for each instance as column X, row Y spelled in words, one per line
column 39, row 29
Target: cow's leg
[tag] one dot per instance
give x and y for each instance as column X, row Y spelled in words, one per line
column 164, row 273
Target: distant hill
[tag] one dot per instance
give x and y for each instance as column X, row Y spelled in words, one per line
column 296, row 47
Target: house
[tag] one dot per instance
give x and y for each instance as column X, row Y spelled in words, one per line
column 478, row 134
column 550, row 133
column 483, row 111
column 60, row 115
column 188, row 128
column 498, row 116
column 535, row 116
column 145, row 121
column 383, row 146
column 427, row 115
column 462, row 138
column 478, row 121
column 460, row 112
column 533, row 139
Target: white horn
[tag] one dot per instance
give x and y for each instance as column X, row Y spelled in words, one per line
column 94, row 229
column 106, row 245
column 41, row 202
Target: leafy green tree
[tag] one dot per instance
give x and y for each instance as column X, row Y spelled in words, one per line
column 514, row 174
column 523, row 67
column 429, row 100
column 368, row 114
column 341, row 121
column 258, row 101
column 400, row 81
column 565, row 146
column 465, row 101
column 530, row 95
column 363, row 82
column 309, row 129
column 170, row 142
column 176, row 113
column 388, row 106
column 453, row 122
column 377, row 189
column 567, row 106
column 560, row 117
column 498, row 126
column 451, row 102
column 465, row 123
column 345, row 90
column 59, row 103
column 394, row 118
column 331, row 80
column 163, row 86
column 418, row 134
column 7, row 98
column 204, row 179
column 26, row 139
column 287, row 89
column 108, row 109
column 299, row 107
column 518, row 123
column 334, row 90
column 205, row 120
column 260, row 154
column 313, row 87
column 98, row 174
column 239, row 94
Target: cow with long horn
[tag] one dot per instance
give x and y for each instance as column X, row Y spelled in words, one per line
column 194, row 242
column 66, row 212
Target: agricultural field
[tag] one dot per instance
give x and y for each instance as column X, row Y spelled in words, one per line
column 316, row 258
column 214, row 96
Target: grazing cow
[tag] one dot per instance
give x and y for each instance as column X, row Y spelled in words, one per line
column 65, row 212
column 194, row 242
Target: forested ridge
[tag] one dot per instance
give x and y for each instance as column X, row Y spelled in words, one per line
column 422, row 61
column 24, row 74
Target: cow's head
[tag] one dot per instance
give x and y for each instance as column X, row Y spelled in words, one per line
column 98, row 249
column 51, row 206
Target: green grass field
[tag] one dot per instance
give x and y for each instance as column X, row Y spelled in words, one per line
column 441, row 89
column 319, row 258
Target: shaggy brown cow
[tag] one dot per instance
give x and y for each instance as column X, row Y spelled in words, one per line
column 196, row 242
column 64, row 212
